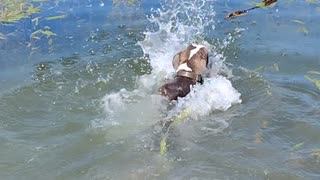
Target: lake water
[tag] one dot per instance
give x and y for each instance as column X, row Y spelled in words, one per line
column 83, row 104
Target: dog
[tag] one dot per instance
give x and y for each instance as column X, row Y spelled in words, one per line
column 190, row 65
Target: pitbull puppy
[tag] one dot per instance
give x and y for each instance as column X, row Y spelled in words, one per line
column 190, row 64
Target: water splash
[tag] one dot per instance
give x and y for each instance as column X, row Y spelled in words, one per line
column 175, row 26
column 216, row 93
column 178, row 24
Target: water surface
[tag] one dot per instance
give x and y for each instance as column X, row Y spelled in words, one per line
column 83, row 104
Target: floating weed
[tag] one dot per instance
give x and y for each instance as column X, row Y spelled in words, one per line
column 303, row 29
column 276, row 67
column 32, row 10
column 264, row 124
column 297, row 21
column 258, row 137
column 178, row 119
column 314, row 81
column 39, row 0
column 260, row 5
column 290, row 1
column 182, row 116
column 269, row 92
column 314, row 72
column 264, row 4
column 296, row 147
column 130, row 2
column 46, row 32
column 50, row 42
column 316, row 154
column 259, row 133
column 2, row 36
column 163, row 146
column 35, row 21
column 318, row 9
column 55, row 17
column 13, row 11
column 312, row 1
column 260, row 68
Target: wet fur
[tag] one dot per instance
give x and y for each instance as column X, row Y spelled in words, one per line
column 179, row 87
column 194, row 59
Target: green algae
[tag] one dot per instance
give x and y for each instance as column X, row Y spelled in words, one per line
column 13, row 11
column 316, row 82
column 173, row 122
column 45, row 31
column 55, row 17
column 296, row 147
column 316, row 154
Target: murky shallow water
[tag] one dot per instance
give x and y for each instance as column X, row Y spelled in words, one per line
column 85, row 106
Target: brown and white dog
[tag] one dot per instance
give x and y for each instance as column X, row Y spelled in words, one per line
column 190, row 65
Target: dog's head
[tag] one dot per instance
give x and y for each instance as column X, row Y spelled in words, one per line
column 194, row 59
column 189, row 64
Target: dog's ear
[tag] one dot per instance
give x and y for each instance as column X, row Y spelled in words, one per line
column 175, row 61
column 181, row 57
column 204, row 55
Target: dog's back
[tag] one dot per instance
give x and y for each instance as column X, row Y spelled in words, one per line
column 190, row 64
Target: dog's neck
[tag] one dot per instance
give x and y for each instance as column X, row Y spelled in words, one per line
column 185, row 71
column 196, row 78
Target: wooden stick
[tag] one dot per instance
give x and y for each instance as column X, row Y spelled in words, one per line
column 238, row 13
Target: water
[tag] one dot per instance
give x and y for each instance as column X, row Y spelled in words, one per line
column 83, row 104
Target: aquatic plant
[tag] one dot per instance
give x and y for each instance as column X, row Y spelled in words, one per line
column 275, row 67
column 2, row 36
column 296, row 147
column 130, row 2
column 13, row 11
column 168, row 125
column 315, row 81
column 316, row 154
column 55, row 17
column 302, row 27
column 46, row 31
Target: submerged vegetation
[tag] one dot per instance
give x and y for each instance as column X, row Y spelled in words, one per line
column 314, row 80
column 15, row 10
column 130, row 2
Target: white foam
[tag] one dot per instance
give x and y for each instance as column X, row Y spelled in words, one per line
column 216, row 93
column 115, row 102
column 179, row 25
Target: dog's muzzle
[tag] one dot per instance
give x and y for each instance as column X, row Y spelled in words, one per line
column 195, row 77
